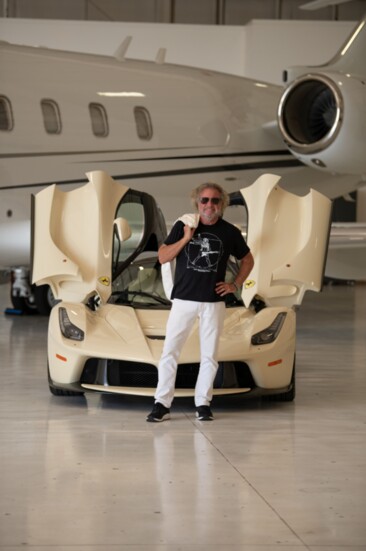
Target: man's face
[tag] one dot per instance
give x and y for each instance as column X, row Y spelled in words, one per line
column 209, row 205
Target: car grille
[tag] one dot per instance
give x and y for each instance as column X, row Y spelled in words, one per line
column 136, row 374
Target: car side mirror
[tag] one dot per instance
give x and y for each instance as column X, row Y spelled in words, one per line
column 123, row 229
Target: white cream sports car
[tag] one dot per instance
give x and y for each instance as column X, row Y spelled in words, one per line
column 96, row 247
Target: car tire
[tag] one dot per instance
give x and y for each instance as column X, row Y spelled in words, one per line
column 44, row 299
column 24, row 304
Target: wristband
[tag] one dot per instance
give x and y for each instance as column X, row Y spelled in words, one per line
column 236, row 285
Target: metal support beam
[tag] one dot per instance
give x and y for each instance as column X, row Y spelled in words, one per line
column 220, row 12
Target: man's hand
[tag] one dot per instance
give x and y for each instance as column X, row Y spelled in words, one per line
column 167, row 253
column 246, row 264
column 223, row 288
column 188, row 233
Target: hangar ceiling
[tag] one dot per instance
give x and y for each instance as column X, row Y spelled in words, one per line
column 203, row 12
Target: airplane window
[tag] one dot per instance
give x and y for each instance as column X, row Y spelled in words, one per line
column 99, row 119
column 143, row 123
column 51, row 116
column 6, row 115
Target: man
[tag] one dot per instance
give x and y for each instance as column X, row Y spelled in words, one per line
column 199, row 291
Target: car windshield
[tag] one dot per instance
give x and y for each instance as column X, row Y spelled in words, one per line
column 138, row 276
column 140, row 284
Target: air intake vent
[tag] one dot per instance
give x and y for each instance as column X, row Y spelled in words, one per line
column 310, row 113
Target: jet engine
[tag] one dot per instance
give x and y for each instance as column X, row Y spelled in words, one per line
column 322, row 118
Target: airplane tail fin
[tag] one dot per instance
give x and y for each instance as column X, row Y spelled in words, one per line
column 351, row 58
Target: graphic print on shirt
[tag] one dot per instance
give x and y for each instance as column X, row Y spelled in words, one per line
column 204, row 252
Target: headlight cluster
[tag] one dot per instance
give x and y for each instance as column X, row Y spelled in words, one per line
column 68, row 329
column 270, row 333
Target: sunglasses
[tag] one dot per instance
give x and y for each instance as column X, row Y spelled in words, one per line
column 205, row 200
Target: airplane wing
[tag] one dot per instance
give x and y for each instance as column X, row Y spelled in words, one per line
column 347, row 252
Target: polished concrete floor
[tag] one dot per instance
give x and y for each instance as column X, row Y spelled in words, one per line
column 89, row 474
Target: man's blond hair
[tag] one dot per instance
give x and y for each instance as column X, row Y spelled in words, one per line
column 196, row 193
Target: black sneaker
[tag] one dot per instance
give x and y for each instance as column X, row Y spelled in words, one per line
column 159, row 413
column 204, row 413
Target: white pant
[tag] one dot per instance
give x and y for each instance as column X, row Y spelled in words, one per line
column 182, row 316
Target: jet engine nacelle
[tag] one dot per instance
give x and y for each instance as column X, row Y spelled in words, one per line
column 322, row 118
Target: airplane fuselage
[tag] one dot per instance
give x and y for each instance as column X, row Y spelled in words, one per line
column 150, row 123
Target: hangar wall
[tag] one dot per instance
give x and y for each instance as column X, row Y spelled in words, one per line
column 203, row 12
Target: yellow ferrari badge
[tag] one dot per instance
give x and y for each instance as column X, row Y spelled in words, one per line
column 249, row 283
column 104, row 280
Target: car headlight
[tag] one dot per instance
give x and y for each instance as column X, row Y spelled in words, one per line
column 68, row 329
column 270, row 333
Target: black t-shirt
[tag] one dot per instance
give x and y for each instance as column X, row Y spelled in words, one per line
column 202, row 262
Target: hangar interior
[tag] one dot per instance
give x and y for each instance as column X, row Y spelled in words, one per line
column 89, row 474
column 204, row 12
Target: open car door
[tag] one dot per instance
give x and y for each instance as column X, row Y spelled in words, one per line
column 72, row 237
column 288, row 236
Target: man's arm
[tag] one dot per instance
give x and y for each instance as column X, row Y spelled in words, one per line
column 167, row 253
column 246, row 265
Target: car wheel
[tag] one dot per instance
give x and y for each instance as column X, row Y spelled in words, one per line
column 44, row 299
column 24, row 304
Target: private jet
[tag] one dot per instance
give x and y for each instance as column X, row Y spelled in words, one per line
column 163, row 129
